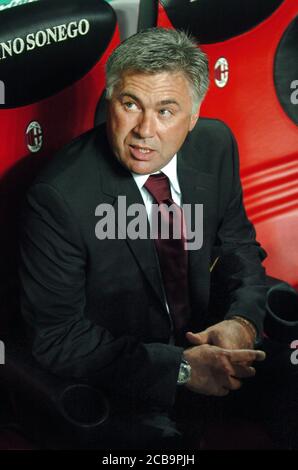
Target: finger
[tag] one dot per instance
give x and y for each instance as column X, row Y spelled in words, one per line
column 226, row 367
column 197, row 338
column 243, row 372
column 245, row 364
column 236, row 370
column 230, row 380
column 234, row 383
column 245, row 355
column 261, row 355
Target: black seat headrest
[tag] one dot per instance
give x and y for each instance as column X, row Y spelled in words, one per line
column 47, row 46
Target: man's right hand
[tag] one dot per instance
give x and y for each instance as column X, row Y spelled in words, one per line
column 217, row 371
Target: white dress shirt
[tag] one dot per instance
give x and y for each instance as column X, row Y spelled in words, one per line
column 170, row 170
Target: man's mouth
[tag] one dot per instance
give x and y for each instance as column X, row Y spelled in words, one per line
column 142, row 148
column 141, row 152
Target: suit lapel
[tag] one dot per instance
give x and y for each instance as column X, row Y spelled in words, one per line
column 196, row 188
column 117, row 181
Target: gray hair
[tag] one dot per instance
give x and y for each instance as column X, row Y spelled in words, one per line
column 157, row 50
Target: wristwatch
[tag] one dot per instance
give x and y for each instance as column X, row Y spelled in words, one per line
column 184, row 372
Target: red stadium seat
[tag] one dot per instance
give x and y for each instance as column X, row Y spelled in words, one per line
column 252, row 46
column 52, row 57
column 52, row 67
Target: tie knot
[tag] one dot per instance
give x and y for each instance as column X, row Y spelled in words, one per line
column 159, row 187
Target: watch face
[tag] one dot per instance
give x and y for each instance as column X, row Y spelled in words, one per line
column 184, row 373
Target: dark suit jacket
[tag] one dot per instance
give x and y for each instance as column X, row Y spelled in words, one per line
column 96, row 307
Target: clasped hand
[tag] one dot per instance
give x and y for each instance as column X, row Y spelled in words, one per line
column 220, row 358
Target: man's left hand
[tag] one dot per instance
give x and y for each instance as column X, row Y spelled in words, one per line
column 228, row 334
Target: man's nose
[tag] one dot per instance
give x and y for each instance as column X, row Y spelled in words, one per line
column 146, row 126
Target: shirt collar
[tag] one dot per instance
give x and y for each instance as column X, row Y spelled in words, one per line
column 170, row 170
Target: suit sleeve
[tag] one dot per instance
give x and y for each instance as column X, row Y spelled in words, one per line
column 241, row 256
column 53, row 269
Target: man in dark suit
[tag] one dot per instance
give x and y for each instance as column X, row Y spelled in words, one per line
column 132, row 315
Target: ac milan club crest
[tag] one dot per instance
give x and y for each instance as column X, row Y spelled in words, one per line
column 221, row 72
column 34, row 136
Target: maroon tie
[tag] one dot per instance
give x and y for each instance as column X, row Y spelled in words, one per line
column 173, row 258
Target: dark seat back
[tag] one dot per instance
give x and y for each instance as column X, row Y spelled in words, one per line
column 52, row 57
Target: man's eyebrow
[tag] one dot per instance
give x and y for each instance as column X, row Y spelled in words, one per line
column 131, row 95
column 160, row 103
column 169, row 101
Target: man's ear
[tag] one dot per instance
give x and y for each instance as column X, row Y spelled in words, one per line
column 193, row 119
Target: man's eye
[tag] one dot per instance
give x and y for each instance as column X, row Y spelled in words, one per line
column 130, row 105
column 165, row 112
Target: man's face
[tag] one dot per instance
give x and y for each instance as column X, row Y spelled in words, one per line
column 149, row 117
